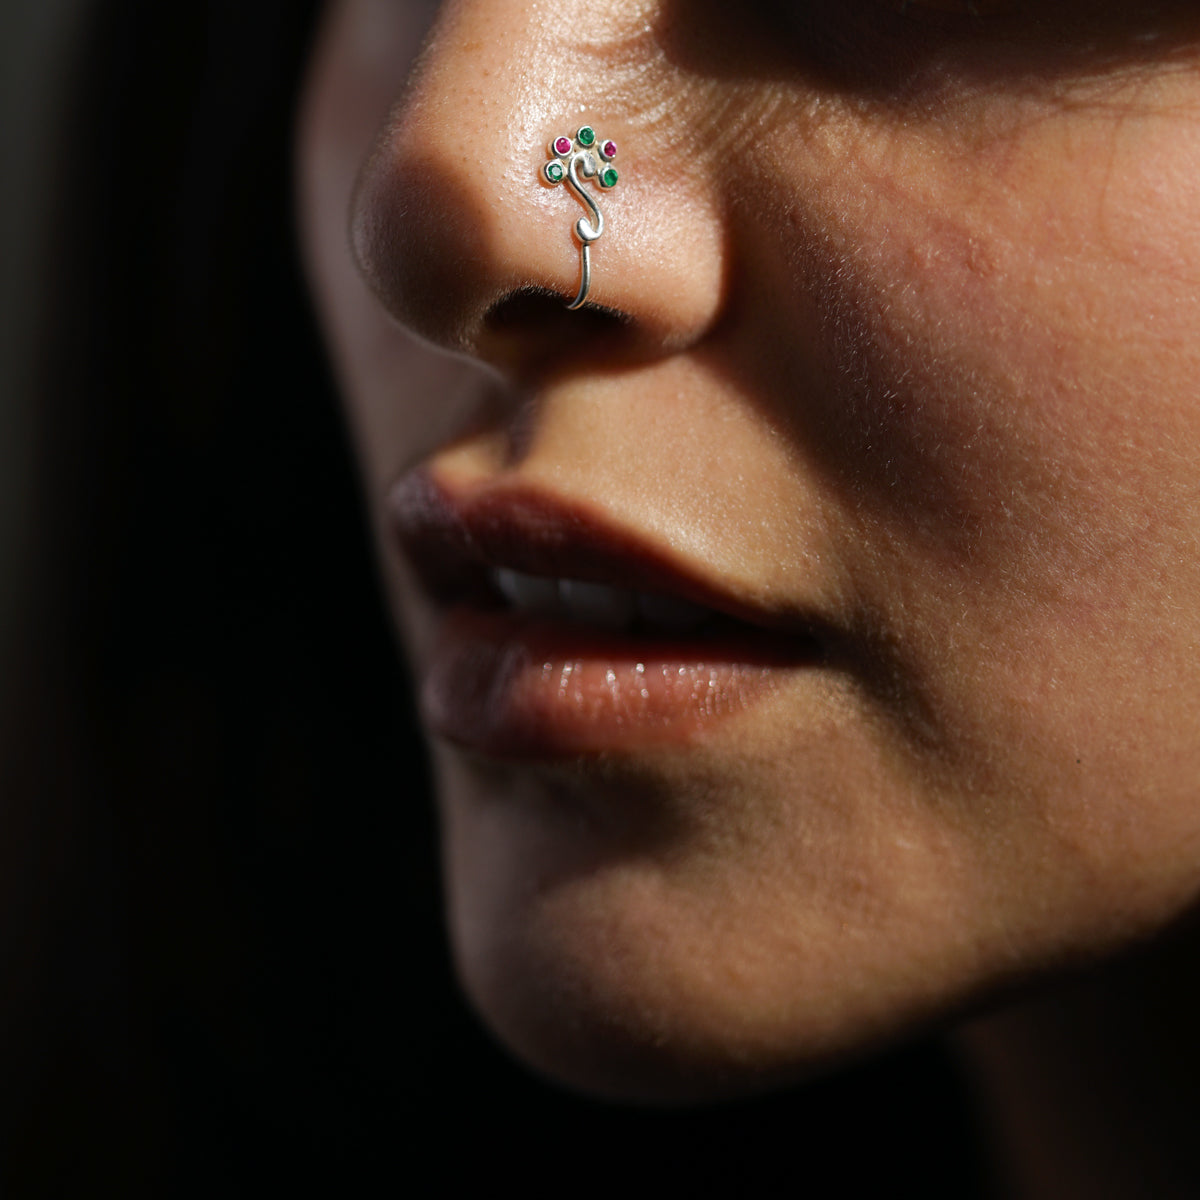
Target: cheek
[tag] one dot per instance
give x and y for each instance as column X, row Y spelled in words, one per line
column 1005, row 338
column 1000, row 394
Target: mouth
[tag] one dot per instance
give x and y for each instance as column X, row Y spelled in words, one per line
column 556, row 632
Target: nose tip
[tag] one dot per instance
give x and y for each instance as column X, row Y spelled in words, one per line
column 458, row 229
column 431, row 251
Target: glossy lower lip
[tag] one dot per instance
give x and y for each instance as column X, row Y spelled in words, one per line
column 515, row 687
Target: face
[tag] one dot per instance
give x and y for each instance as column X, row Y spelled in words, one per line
column 806, row 627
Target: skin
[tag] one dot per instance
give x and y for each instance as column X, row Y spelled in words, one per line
column 908, row 337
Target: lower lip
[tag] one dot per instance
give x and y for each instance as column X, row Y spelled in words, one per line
column 516, row 687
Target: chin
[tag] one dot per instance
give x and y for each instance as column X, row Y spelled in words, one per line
column 641, row 968
column 576, row 993
column 589, row 997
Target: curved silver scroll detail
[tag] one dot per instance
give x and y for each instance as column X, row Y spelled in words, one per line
column 583, row 160
column 585, row 232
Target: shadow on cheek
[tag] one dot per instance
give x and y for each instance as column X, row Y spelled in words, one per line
column 912, row 55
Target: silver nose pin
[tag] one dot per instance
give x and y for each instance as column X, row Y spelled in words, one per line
column 573, row 161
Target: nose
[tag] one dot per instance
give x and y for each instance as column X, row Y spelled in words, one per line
column 464, row 238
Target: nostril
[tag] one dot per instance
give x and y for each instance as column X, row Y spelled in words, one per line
column 533, row 326
column 534, row 307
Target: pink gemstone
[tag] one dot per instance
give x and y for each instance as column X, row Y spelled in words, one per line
column 562, row 145
column 610, row 150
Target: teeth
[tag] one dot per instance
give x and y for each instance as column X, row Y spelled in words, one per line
column 530, row 593
column 597, row 603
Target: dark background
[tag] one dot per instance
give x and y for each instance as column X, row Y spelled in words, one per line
column 223, row 970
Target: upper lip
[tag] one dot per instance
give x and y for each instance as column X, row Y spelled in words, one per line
column 454, row 537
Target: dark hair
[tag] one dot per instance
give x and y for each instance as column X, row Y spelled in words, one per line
column 226, row 926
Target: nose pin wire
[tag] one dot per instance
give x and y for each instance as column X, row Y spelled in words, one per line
column 589, row 156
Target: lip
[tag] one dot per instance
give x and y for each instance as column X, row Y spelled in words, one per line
column 508, row 684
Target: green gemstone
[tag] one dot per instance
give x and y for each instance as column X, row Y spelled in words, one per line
column 609, row 177
column 586, row 135
column 554, row 173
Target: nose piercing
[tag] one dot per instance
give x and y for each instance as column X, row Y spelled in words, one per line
column 589, row 156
